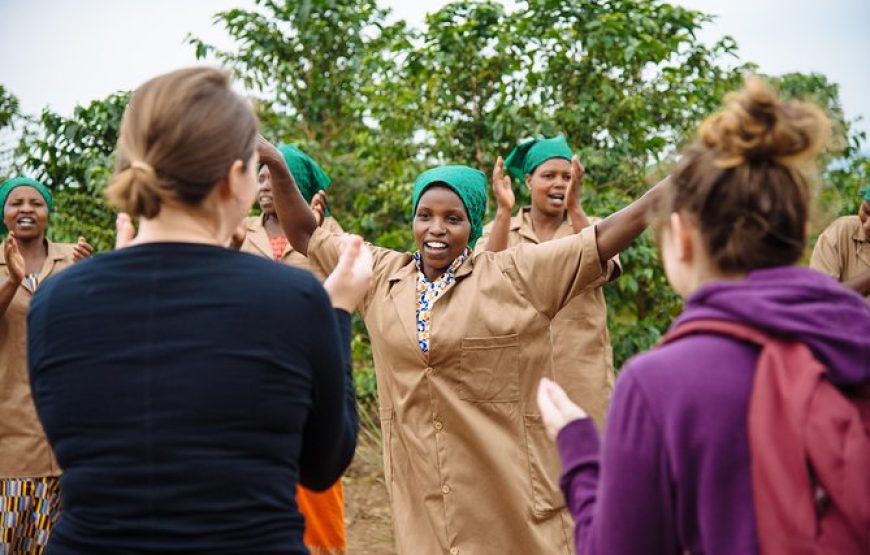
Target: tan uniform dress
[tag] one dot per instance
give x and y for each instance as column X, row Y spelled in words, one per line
column 257, row 242
column 843, row 250
column 582, row 354
column 24, row 450
column 468, row 465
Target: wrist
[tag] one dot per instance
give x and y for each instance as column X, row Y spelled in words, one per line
column 503, row 213
column 11, row 282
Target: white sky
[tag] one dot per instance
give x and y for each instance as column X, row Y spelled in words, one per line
column 60, row 53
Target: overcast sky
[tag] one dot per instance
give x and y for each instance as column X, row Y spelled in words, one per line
column 60, row 53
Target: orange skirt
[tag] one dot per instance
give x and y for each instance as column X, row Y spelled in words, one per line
column 324, row 520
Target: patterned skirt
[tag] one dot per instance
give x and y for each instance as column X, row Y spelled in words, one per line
column 29, row 507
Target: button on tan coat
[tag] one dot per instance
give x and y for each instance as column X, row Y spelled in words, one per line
column 843, row 250
column 24, row 450
column 582, row 355
column 257, row 242
column 467, row 462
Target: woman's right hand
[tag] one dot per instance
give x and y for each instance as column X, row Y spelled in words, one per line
column 501, row 187
column 557, row 410
column 14, row 259
column 352, row 277
column 271, row 157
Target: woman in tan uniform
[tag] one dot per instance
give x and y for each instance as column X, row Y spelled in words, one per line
column 263, row 235
column 29, row 500
column 459, row 344
column 582, row 355
column 324, row 511
column 843, row 250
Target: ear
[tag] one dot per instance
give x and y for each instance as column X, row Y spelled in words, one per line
column 681, row 237
column 529, row 181
column 234, row 181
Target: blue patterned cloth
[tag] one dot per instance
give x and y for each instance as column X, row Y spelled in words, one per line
column 430, row 291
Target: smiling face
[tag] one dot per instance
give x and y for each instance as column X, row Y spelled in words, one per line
column 26, row 213
column 548, row 185
column 441, row 229
column 264, row 191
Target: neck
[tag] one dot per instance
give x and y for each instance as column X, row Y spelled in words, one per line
column 542, row 221
column 272, row 225
column 175, row 224
column 703, row 276
column 33, row 249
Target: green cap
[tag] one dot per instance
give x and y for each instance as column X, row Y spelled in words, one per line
column 867, row 193
column 468, row 183
column 524, row 158
column 14, row 183
column 309, row 177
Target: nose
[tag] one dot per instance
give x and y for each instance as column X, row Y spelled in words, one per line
column 437, row 227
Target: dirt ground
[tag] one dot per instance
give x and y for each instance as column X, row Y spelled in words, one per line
column 367, row 513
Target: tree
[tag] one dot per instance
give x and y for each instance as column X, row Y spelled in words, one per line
column 73, row 156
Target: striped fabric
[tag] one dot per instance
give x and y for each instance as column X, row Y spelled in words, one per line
column 30, row 507
column 278, row 243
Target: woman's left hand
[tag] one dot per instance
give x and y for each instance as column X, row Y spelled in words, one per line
column 557, row 410
column 319, row 205
column 82, row 250
column 575, row 189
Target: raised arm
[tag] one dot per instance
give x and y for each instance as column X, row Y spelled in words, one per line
column 296, row 218
column 618, row 230
column 576, row 215
column 15, row 272
column 504, row 195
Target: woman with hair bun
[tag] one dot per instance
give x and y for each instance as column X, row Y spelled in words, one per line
column 183, row 403
column 704, row 453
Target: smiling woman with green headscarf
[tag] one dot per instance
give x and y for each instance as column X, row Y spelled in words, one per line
column 29, row 502
column 460, row 343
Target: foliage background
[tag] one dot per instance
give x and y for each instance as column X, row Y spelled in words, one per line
column 374, row 101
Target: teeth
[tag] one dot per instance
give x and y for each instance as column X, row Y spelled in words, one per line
column 436, row 245
column 26, row 221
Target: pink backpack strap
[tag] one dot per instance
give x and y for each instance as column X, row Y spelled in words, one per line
column 721, row 327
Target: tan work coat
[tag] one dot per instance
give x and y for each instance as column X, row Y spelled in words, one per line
column 24, row 450
column 257, row 242
column 843, row 250
column 468, row 465
column 582, row 354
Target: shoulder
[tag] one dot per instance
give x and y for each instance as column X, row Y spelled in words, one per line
column 690, row 368
column 843, row 227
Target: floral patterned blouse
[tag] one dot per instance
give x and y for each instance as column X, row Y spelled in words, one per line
column 430, row 291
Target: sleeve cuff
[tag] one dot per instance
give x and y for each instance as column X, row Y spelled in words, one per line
column 577, row 442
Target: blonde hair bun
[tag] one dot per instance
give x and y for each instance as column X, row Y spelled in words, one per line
column 757, row 126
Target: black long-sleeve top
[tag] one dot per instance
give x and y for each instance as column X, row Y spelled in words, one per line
column 185, row 390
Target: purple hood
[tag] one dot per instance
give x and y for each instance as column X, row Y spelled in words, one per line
column 789, row 301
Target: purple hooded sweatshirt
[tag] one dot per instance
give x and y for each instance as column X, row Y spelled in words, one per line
column 672, row 473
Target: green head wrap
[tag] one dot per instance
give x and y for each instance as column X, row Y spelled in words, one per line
column 867, row 193
column 7, row 187
column 309, row 177
column 524, row 158
column 468, row 183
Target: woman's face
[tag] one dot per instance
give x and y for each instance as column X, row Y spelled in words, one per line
column 548, row 185
column 264, row 191
column 26, row 213
column 441, row 228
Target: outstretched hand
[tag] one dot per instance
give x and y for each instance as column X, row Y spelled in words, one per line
column 557, row 410
column 501, row 187
column 82, row 250
column 320, row 205
column 352, row 277
column 14, row 259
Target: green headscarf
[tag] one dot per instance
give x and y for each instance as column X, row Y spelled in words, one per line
column 7, row 187
column 524, row 158
column 468, row 183
column 308, row 175
column 867, row 193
